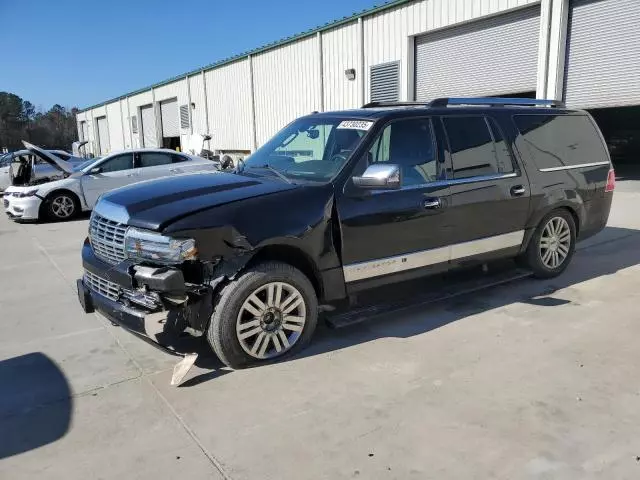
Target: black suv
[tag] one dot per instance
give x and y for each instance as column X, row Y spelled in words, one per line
column 339, row 202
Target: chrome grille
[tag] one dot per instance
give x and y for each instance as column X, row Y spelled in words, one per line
column 100, row 285
column 107, row 238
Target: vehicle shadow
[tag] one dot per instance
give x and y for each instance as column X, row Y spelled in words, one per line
column 612, row 250
column 35, row 404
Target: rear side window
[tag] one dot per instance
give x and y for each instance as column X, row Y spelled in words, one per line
column 560, row 140
column 178, row 158
column 473, row 150
column 154, row 159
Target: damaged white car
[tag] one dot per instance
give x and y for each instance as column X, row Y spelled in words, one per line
column 26, row 166
column 81, row 185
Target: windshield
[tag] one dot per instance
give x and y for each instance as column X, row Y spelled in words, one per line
column 311, row 149
column 5, row 159
column 80, row 166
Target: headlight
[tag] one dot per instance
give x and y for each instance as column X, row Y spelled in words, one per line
column 146, row 245
column 28, row 193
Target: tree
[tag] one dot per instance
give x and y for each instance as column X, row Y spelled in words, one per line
column 20, row 120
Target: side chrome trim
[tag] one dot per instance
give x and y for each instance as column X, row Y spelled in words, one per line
column 572, row 167
column 400, row 263
column 447, row 183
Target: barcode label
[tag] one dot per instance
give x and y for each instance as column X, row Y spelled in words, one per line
column 356, row 124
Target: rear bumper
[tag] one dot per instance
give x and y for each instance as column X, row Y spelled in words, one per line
column 27, row 208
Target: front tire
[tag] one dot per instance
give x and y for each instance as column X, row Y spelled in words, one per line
column 268, row 312
column 62, row 206
column 552, row 246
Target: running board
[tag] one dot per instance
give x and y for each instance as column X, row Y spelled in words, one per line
column 445, row 292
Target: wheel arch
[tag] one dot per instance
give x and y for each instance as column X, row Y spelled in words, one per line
column 573, row 210
column 49, row 195
column 291, row 255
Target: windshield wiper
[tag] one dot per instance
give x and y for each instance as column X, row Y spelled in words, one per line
column 277, row 172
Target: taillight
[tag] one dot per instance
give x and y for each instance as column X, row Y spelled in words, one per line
column 611, row 181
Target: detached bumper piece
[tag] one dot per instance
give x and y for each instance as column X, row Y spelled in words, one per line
column 151, row 303
column 147, row 326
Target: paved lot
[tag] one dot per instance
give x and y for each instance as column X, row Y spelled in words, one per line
column 533, row 380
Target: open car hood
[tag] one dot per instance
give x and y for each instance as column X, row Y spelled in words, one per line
column 51, row 159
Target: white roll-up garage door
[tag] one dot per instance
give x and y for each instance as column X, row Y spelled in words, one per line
column 169, row 115
column 103, row 135
column 494, row 56
column 603, row 57
column 149, row 133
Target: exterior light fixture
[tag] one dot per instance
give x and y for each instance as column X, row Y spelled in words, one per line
column 350, row 73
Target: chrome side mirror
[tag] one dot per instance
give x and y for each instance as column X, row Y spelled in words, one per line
column 380, row 177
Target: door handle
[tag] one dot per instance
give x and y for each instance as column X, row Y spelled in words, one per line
column 432, row 203
column 518, row 191
column 131, row 175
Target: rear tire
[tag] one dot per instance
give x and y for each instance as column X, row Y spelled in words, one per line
column 552, row 245
column 270, row 311
column 61, row 206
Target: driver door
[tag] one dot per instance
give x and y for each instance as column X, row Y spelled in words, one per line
column 393, row 235
column 113, row 172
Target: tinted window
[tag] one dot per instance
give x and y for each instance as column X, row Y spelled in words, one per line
column 61, row 155
column 116, row 164
column 560, row 140
column 503, row 152
column 178, row 158
column 473, row 152
column 410, row 144
column 153, row 159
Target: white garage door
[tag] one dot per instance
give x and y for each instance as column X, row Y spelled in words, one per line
column 495, row 56
column 149, row 133
column 103, row 135
column 603, row 58
column 169, row 115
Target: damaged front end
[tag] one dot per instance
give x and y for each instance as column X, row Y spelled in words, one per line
column 165, row 305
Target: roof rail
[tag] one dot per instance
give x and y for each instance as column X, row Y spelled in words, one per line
column 395, row 104
column 496, row 102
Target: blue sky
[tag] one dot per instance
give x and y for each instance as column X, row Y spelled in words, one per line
column 77, row 53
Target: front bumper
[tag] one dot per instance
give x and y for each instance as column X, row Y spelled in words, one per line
column 27, row 208
column 111, row 291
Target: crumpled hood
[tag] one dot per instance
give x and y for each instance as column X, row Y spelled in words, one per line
column 155, row 204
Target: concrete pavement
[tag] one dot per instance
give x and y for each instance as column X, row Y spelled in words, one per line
column 532, row 380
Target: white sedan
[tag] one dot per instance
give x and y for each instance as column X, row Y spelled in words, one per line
column 79, row 190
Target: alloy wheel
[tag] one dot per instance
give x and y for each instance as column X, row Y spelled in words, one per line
column 555, row 243
column 63, row 206
column 271, row 320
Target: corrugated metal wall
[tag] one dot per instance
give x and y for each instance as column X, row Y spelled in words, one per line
column 115, row 127
column 286, row 79
column 339, row 53
column 285, row 85
column 126, row 129
column 198, row 114
column 229, row 97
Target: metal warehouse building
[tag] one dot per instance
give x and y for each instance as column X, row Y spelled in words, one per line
column 583, row 51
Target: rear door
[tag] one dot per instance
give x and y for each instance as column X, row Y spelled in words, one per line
column 152, row 165
column 489, row 191
column 114, row 172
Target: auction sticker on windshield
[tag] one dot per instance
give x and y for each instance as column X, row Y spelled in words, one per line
column 356, row 124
